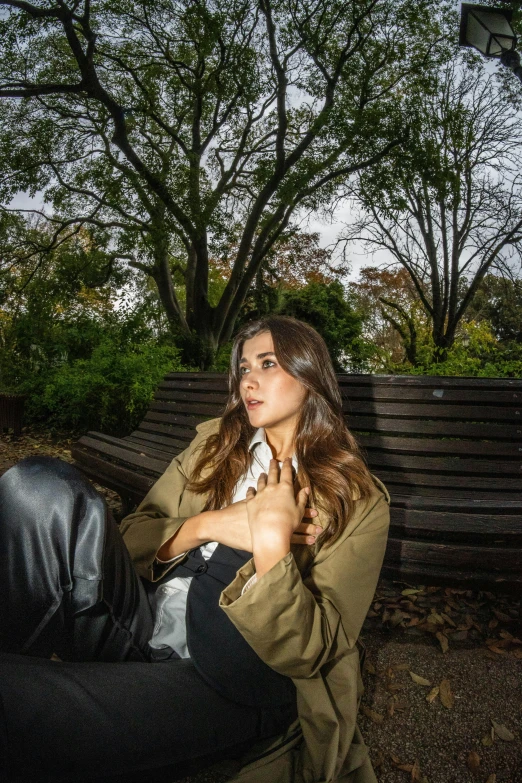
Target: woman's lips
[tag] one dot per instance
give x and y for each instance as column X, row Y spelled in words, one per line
column 253, row 404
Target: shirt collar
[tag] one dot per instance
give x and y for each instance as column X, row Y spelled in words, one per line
column 259, row 436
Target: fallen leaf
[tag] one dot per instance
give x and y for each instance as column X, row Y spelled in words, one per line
column 405, row 767
column 492, row 624
column 517, row 653
column 419, row 680
column 411, row 591
column 487, row 741
column 473, row 761
column 401, row 667
column 492, row 779
column 376, row 717
column 505, row 618
column 379, row 759
column 435, row 618
column 368, row 667
column 497, row 650
column 446, row 695
column 416, row 775
column 502, row 731
column 432, row 695
column 396, row 618
column 448, row 619
column 443, row 641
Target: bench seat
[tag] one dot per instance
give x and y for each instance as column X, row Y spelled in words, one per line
column 448, row 449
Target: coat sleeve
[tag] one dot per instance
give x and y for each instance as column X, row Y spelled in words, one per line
column 296, row 625
column 161, row 513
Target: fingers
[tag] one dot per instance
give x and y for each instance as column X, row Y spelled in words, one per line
column 273, row 472
column 306, row 534
column 287, row 475
column 302, row 499
column 308, row 529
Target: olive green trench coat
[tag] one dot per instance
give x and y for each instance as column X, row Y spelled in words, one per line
column 302, row 618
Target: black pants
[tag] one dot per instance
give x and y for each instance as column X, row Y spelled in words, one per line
column 68, row 586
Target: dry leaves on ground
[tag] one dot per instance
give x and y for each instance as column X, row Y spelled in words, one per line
column 450, row 616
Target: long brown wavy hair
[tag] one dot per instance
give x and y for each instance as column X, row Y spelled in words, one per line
column 328, row 457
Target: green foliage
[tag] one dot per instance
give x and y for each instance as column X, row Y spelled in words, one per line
column 475, row 353
column 499, row 301
column 87, row 348
column 110, row 391
column 332, row 312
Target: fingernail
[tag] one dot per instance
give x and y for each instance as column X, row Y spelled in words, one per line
column 310, row 540
column 318, row 530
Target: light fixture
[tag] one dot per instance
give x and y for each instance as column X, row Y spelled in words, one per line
column 489, row 31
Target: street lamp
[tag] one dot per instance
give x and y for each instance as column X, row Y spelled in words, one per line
column 489, row 31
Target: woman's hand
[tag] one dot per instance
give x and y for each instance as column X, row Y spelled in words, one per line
column 229, row 526
column 274, row 515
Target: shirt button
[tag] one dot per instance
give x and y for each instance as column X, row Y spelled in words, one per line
column 201, row 569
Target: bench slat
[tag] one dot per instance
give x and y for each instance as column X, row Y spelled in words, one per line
column 456, row 466
column 125, row 455
column 128, row 444
column 472, row 579
column 476, row 448
column 113, row 476
column 171, row 391
column 454, row 555
column 415, row 523
column 174, row 444
column 441, row 429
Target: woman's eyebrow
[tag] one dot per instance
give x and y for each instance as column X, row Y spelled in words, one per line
column 259, row 356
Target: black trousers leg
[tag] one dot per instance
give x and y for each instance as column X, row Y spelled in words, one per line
column 79, row 722
column 70, row 584
column 105, row 712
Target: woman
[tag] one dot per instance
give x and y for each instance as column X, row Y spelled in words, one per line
column 263, row 541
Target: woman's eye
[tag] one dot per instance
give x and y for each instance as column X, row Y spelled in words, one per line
column 269, row 363
column 242, row 370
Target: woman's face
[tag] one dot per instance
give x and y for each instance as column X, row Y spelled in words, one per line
column 272, row 398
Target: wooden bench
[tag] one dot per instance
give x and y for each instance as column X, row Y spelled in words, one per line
column 448, row 449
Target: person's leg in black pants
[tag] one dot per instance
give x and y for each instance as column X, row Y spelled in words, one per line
column 69, row 587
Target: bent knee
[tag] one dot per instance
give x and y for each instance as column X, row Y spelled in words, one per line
column 36, row 486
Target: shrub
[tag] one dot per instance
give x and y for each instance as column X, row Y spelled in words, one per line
column 110, row 391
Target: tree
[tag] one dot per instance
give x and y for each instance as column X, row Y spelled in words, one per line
column 448, row 207
column 498, row 301
column 393, row 316
column 186, row 126
column 334, row 313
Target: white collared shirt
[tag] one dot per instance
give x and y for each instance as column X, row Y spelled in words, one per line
column 171, row 597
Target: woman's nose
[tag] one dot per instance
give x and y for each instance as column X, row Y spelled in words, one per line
column 249, row 381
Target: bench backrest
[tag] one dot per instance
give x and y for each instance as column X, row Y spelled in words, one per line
column 425, row 436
